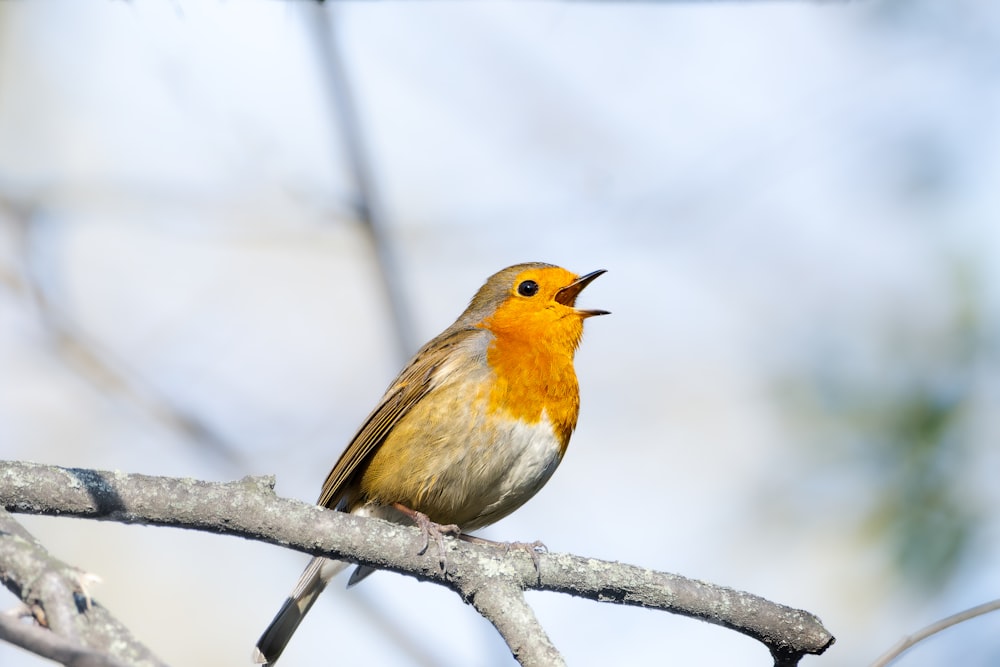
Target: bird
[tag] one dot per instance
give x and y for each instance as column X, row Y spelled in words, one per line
column 473, row 426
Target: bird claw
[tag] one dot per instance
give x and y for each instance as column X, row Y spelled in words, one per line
column 430, row 530
column 438, row 532
column 533, row 549
column 84, row 581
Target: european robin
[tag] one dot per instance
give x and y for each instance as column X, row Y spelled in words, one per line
column 473, row 427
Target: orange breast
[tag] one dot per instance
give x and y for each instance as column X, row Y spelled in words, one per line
column 533, row 367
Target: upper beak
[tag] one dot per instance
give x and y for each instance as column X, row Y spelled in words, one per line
column 567, row 295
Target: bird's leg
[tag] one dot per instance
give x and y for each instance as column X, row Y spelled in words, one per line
column 429, row 528
column 532, row 548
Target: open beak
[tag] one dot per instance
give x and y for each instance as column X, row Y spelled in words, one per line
column 567, row 295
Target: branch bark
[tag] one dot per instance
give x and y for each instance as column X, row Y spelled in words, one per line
column 41, row 641
column 73, row 629
column 480, row 574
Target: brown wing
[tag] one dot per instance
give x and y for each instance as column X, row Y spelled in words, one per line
column 415, row 381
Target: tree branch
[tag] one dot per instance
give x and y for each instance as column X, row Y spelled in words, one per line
column 368, row 204
column 502, row 603
column 50, row 645
column 80, row 632
column 249, row 508
column 908, row 642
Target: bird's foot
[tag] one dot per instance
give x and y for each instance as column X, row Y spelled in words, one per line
column 533, row 549
column 431, row 530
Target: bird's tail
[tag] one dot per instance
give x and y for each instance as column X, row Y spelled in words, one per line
column 312, row 582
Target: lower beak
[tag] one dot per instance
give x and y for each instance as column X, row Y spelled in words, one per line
column 567, row 295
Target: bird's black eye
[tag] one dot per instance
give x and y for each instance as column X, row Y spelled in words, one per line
column 528, row 288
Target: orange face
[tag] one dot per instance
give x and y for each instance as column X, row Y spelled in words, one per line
column 540, row 306
column 537, row 329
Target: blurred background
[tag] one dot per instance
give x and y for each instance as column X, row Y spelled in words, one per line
column 224, row 226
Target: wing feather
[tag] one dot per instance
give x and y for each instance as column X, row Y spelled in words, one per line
column 414, row 382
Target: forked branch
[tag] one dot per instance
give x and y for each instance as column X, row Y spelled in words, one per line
column 490, row 579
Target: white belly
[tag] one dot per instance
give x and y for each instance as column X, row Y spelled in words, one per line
column 531, row 455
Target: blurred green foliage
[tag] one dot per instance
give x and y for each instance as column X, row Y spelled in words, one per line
column 900, row 419
column 917, row 449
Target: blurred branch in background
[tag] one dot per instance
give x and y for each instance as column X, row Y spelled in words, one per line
column 367, row 205
column 84, row 356
column 368, row 209
column 909, row 642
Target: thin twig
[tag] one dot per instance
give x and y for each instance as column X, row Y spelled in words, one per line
column 906, row 643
